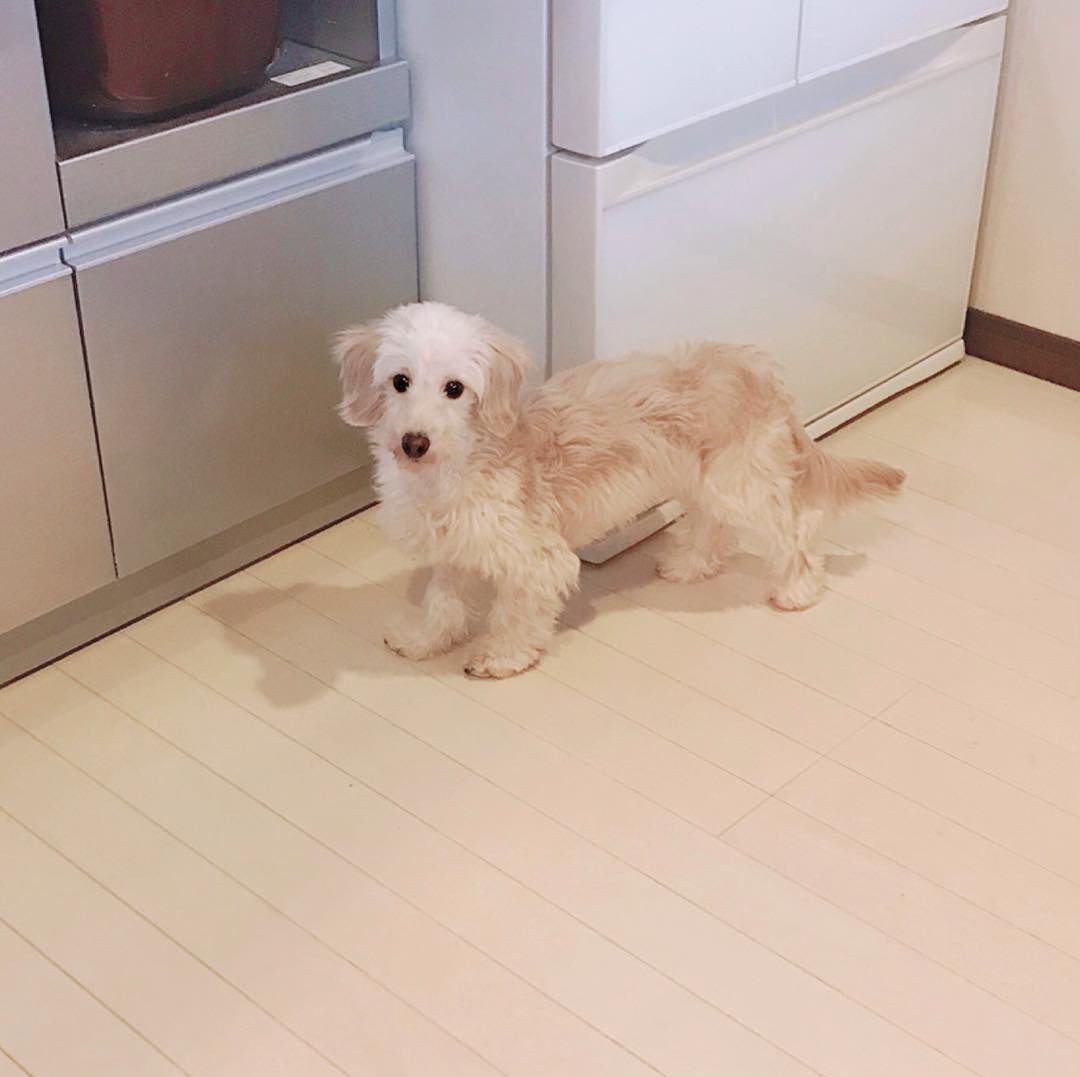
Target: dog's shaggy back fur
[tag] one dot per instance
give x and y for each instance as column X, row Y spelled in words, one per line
column 613, row 437
column 512, row 484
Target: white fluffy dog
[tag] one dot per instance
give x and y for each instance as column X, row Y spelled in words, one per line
column 481, row 479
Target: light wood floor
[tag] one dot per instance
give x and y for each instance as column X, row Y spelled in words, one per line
column 703, row 840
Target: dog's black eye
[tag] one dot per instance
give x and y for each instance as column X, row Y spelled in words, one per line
column 400, row 382
column 453, row 389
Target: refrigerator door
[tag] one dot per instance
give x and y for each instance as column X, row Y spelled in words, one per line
column 836, row 33
column 623, row 71
column 54, row 537
column 208, row 323
column 30, row 209
column 834, row 226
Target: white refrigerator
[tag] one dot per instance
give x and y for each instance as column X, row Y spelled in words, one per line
column 802, row 175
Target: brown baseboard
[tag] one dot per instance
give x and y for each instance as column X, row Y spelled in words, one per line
column 1024, row 348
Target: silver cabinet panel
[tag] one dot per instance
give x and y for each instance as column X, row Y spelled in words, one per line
column 208, row 354
column 54, row 537
column 168, row 159
column 30, row 207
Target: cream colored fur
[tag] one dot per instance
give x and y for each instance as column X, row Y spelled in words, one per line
column 513, row 483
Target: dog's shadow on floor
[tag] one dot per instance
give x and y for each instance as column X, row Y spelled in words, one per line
column 313, row 638
column 310, row 639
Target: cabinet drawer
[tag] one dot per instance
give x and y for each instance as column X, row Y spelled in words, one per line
column 626, row 70
column 836, row 32
column 109, row 170
column 834, row 227
column 207, row 326
column 54, row 537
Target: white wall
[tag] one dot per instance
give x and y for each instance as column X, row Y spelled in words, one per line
column 479, row 126
column 1028, row 265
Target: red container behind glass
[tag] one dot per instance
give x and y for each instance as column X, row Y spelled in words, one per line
column 144, row 59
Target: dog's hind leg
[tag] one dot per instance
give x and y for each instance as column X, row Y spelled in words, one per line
column 697, row 548
column 798, row 570
column 443, row 623
column 755, row 489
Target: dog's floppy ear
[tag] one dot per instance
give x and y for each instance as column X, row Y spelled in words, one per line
column 507, row 364
column 355, row 352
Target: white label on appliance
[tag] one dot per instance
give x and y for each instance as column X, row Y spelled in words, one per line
column 310, row 74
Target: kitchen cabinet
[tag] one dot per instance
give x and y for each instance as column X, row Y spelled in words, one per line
column 54, row 534
column 207, row 324
column 29, row 194
column 167, row 396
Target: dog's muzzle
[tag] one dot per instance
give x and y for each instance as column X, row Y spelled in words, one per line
column 415, row 445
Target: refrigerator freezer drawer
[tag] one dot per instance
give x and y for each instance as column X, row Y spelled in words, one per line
column 834, row 227
column 54, row 538
column 836, row 33
column 207, row 326
column 624, row 71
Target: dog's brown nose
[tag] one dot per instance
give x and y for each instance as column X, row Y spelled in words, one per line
column 415, row 445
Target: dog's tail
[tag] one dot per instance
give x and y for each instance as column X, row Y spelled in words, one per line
column 837, row 482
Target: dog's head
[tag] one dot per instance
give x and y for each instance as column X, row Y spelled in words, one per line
column 429, row 383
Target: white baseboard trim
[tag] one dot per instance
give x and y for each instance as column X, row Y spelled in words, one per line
column 925, row 368
column 656, row 519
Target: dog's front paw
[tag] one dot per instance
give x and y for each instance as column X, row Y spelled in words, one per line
column 415, row 650
column 799, row 594
column 495, row 664
column 417, row 643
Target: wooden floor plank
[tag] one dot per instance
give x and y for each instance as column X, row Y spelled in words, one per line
column 35, row 990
